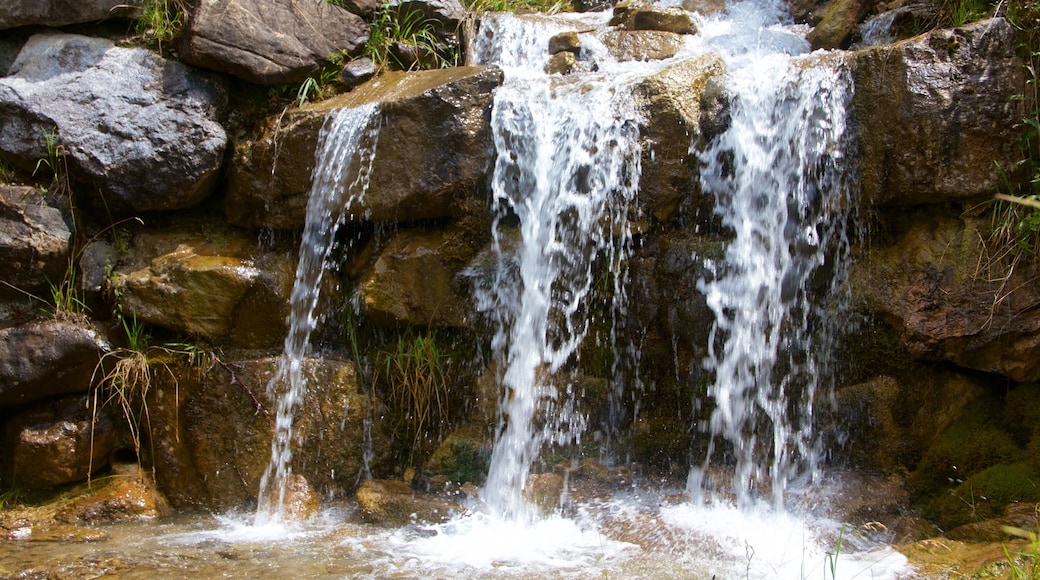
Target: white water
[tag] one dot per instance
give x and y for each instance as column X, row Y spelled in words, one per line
column 781, row 186
column 344, row 154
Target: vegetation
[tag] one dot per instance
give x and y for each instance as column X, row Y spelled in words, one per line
column 404, row 39
column 1024, row 565
column 546, row 6
column 161, row 21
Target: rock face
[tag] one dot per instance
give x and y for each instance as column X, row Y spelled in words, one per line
column 34, row 238
column 436, row 125
column 56, row 13
column 270, row 42
column 139, row 128
column 212, row 444
column 935, row 112
column 216, row 287
column 46, row 358
column 56, row 443
column 936, row 287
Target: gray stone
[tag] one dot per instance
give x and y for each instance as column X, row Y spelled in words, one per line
column 139, row 129
column 935, row 114
column 270, row 42
column 56, row 13
column 46, row 358
column 358, row 71
column 34, row 239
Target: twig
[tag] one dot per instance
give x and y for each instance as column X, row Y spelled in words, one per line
column 237, row 381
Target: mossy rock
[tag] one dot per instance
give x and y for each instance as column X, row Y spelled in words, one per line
column 1022, row 412
column 986, row 494
column 460, row 459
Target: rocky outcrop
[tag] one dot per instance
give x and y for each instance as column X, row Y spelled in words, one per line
column 141, row 130
column 218, row 287
column 935, row 115
column 46, row 358
column 937, row 286
column 56, row 13
column 56, row 443
column 212, row 441
column 673, row 102
column 270, row 42
column 436, row 136
column 34, row 239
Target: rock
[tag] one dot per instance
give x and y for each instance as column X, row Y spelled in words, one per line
column 55, row 13
column 139, row 130
column 393, row 503
column 642, row 44
column 663, row 18
column 949, row 302
column 561, row 63
column 705, row 7
column 55, row 443
column 11, row 44
column 935, row 114
column 46, row 358
column 214, row 286
column 128, row 495
column 592, row 5
column 96, row 262
column 410, row 284
column 358, row 71
column 565, row 41
column 459, row 459
column 212, row 443
column 671, row 102
column 544, row 490
column 437, row 125
column 34, row 239
column 300, row 502
column 411, row 56
column 270, row 42
column 838, row 20
column 447, row 16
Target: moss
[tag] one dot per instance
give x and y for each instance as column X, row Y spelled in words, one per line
column 986, row 494
column 459, row 459
column 1022, row 412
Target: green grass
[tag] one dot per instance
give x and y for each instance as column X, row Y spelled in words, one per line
column 409, row 28
column 160, row 22
column 546, row 6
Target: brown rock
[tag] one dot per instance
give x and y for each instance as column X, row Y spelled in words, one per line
column 642, row 44
column 565, row 41
column 838, row 20
column 34, row 239
column 130, row 494
column 393, row 503
column 46, row 358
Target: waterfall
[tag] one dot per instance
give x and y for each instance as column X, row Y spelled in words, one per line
column 344, row 154
column 566, row 173
column 782, row 188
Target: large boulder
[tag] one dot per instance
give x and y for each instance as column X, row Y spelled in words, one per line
column 935, row 115
column 212, row 442
column 215, row 286
column 54, row 13
column 838, row 20
column 673, row 104
column 936, row 285
column 434, row 145
column 270, row 42
column 642, row 44
column 34, row 239
column 55, row 443
column 46, row 358
column 140, row 130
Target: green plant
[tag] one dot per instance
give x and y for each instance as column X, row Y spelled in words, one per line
column 408, row 40
column 68, row 305
column 415, row 371
column 1026, row 565
column 546, row 6
column 160, row 21
column 832, row 558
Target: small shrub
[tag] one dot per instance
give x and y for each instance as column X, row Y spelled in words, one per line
column 160, row 22
column 394, row 28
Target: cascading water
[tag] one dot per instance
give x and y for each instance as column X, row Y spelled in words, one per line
column 567, row 170
column 344, row 154
column 781, row 185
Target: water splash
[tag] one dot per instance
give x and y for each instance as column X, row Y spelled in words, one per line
column 566, row 172
column 345, row 151
column 781, row 185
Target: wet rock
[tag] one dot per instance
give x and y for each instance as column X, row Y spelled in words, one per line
column 446, row 16
column 671, row 101
column 128, row 494
column 96, row 262
column 140, row 131
column 1017, row 515
column 215, row 286
column 55, row 443
column 411, row 56
column 838, row 20
column 436, row 138
column 544, row 490
column 212, row 443
column 300, row 500
column 46, row 358
column 55, row 13
column 704, row 7
column 936, row 287
column 935, row 114
column 459, row 459
column 34, row 239
column 642, row 44
column 393, row 503
column 565, row 41
column 358, row 71
column 270, row 42
column 410, row 283
column 561, row 63
column 666, row 19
